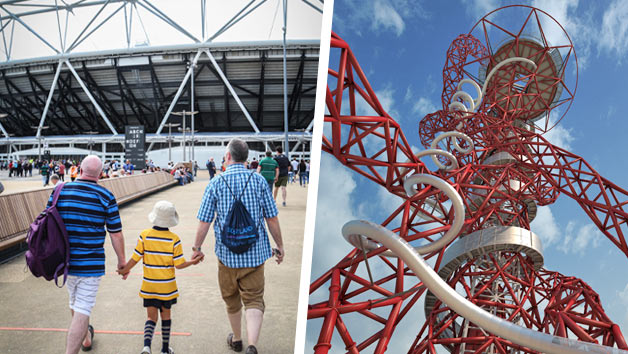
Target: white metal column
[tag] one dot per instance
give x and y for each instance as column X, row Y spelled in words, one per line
column 47, row 105
column 91, row 98
column 285, row 81
column 233, row 93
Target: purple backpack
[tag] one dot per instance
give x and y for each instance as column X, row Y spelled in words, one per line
column 48, row 252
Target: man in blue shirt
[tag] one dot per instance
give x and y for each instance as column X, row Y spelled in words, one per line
column 86, row 209
column 129, row 167
column 240, row 276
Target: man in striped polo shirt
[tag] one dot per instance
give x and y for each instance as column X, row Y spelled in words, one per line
column 240, row 276
column 86, row 208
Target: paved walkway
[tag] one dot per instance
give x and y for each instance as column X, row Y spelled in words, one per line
column 34, row 313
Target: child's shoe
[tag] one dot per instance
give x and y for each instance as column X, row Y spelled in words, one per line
column 170, row 351
column 146, row 350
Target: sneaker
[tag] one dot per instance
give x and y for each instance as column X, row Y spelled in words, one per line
column 170, row 351
column 236, row 346
column 251, row 349
column 146, row 350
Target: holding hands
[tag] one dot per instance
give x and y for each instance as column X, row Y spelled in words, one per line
column 125, row 269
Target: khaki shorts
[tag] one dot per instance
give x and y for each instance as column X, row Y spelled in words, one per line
column 282, row 181
column 241, row 286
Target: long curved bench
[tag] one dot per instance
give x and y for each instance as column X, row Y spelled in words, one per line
column 18, row 210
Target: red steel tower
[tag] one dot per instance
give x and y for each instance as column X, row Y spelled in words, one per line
column 468, row 211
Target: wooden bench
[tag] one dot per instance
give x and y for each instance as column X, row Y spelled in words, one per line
column 18, row 210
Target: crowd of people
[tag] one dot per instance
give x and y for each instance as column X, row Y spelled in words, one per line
column 18, row 168
column 278, row 171
column 53, row 171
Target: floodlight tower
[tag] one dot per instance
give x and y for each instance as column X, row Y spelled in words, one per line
column 488, row 290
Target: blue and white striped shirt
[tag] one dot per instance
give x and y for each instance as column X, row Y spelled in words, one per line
column 257, row 199
column 86, row 208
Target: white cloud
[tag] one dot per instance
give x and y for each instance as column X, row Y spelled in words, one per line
column 477, row 9
column 386, row 17
column 380, row 16
column 333, row 210
column 386, row 98
column 623, row 295
column 424, row 106
column 623, row 299
column 559, row 135
column 614, row 32
column 580, row 240
column 545, row 226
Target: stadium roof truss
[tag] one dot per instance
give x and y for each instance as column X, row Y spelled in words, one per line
column 236, row 87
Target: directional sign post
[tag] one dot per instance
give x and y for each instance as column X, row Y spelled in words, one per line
column 134, row 145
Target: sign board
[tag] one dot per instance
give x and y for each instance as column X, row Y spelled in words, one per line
column 134, row 145
column 46, row 155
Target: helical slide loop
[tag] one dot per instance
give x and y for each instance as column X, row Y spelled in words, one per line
column 354, row 235
column 379, row 236
column 499, row 65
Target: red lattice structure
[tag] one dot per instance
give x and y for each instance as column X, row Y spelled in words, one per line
column 492, row 151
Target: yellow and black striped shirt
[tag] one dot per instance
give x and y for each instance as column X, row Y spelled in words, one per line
column 161, row 250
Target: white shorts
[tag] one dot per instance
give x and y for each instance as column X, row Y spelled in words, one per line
column 82, row 291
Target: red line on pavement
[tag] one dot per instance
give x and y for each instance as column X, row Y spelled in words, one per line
column 97, row 331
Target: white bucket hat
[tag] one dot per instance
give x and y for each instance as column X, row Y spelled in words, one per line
column 164, row 214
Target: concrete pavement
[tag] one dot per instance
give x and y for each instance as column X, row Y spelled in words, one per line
column 34, row 313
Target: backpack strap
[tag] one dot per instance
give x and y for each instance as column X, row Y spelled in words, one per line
column 245, row 185
column 55, row 198
column 56, row 194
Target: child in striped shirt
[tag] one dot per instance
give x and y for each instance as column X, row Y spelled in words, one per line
column 162, row 252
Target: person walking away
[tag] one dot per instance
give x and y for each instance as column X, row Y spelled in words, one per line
column 87, row 209
column 161, row 251
column 19, row 168
column 240, row 275
column 307, row 171
column 62, row 172
column 254, row 164
column 195, row 168
column 44, row 170
column 302, row 168
column 55, row 168
column 25, row 168
column 30, row 168
column 269, row 169
column 211, row 168
column 73, row 172
column 294, row 168
column 282, row 181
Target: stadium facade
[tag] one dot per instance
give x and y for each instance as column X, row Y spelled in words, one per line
column 73, row 102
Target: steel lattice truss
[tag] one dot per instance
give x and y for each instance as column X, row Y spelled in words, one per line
column 235, row 86
column 492, row 151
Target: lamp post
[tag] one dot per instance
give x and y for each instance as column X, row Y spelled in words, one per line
column 191, row 132
column 90, row 143
column 183, row 114
column 6, row 134
column 170, row 126
column 43, row 127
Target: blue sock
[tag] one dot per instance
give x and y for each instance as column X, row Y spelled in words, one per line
column 165, row 334
column 149, row 329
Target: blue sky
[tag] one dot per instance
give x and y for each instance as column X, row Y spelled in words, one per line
column 401, row 46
